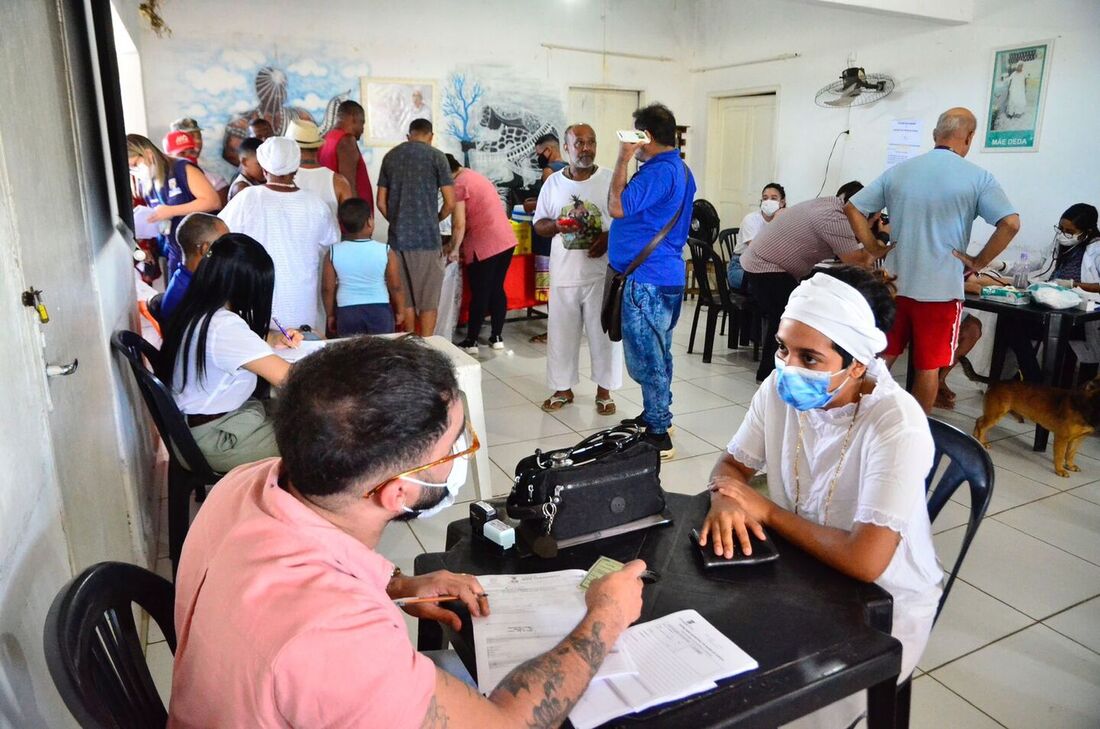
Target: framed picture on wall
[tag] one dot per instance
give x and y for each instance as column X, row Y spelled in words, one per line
column 1016, row 95
column 392, row 103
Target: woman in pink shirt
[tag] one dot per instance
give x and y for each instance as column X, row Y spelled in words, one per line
column 482, row 235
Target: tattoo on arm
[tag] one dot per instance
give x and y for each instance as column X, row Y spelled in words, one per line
column 437, row 717
column 544, row 677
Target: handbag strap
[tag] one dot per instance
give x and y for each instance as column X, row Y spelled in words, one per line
column 652, row 245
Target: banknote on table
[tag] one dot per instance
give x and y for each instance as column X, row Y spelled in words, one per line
column 603, row 566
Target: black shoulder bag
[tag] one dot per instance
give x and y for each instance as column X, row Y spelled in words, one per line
column 611, row 313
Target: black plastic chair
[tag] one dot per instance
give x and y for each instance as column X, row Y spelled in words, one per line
column 727, row 240
column 188, row 471
column 715, row 298
column 967, row 461
column 93, row 650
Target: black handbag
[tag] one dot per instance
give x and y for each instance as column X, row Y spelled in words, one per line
column 611, row 310
column 609, row 479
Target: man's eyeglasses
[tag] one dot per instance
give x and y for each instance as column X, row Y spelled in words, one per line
column 466, row 445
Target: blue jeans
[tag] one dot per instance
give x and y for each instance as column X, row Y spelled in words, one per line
column 734, row 273
column 650, row 313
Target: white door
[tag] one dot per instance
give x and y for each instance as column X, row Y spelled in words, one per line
column 740, row 153
column 606, row 111
column 77, row 463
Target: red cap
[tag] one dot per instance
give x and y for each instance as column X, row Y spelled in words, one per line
column 176, row 142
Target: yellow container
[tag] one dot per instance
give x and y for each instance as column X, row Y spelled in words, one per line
column 522, row 232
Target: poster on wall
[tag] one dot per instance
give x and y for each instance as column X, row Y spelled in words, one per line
column 392, row 104
column 1016, row 95
column 905, row 141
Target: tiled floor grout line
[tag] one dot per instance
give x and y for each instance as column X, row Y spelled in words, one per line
column 1065, row 610
column 986, row 645
column 966, row 700
column 1061, row 549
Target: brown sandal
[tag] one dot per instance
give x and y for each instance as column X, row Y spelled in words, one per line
column 605, row 406
column 556, row 402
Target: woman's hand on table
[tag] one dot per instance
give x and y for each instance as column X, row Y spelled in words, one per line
column 735, row 510
column 293, row 340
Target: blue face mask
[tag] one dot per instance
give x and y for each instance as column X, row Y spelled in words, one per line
column 804, row 389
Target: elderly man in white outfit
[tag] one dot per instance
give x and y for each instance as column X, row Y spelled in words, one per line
column 847, row 451
column 572, row 207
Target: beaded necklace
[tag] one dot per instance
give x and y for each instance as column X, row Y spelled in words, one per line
column 839, row 465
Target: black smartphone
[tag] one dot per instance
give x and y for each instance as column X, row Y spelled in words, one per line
column 762, row 551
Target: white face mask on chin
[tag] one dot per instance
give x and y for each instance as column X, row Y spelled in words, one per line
column 769, row 207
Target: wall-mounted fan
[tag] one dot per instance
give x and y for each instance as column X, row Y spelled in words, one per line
column 704, row 221
column 855, row 88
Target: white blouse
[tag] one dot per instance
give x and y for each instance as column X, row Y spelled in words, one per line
column 881, row 482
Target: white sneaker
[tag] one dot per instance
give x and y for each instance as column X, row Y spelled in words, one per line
column 469, row 346
column 496, row 342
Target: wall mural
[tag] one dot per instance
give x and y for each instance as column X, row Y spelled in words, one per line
column 223, row 90
column 495, row 117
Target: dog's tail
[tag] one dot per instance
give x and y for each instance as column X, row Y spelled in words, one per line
column 968, row 369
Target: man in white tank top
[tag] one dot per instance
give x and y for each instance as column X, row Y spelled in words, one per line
column 332, row 187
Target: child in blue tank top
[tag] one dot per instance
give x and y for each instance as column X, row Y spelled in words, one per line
column 361, row 286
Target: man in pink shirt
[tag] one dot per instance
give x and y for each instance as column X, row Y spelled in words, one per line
column 284, row 612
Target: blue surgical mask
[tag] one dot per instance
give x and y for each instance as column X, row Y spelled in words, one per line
column 804, row 389
column 456, row 479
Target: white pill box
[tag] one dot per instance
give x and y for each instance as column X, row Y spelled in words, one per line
column 500, row 533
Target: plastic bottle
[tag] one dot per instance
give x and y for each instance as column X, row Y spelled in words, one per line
column 1020, row 272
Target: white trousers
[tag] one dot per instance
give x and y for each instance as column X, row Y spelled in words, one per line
column 570, row 309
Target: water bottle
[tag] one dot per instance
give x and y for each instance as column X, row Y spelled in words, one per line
column 1020, row 272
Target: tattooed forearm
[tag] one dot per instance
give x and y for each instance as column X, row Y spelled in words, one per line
column 555, row 681
column 437, row 717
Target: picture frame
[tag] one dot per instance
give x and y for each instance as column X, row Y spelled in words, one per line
column 1019, row 78
column 391, row 104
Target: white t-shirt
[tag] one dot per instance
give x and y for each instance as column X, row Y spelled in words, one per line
column 881, row 482
column 230, row 345
column 318, row 180
column 751, row 225
column 295, row 228
column 586, row 201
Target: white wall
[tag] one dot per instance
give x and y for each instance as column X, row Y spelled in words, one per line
column 936, row 66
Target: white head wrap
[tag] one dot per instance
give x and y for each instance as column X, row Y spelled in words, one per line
column 840, row 312
column 279, row 155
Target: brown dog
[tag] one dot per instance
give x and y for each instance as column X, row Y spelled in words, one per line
column 1069, row 414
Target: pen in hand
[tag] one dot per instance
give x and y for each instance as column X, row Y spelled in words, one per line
column 403, row 601
column 284, row 332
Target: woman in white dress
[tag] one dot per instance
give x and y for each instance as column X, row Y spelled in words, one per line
column 846, row 451
column 1017, row 93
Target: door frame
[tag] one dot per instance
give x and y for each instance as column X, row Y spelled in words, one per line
column 710, row 178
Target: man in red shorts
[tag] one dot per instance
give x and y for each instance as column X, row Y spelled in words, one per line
column 933, row 200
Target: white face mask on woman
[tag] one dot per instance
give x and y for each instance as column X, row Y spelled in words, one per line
column 1065, row 239
column 769, row 207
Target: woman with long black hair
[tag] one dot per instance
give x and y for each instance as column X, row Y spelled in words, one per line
column 217, row 343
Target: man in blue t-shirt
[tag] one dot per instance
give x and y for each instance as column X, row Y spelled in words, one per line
column 933, row 200
column 195, row 234
column 662, row 187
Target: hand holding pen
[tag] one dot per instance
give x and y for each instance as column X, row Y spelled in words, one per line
column 293, row 337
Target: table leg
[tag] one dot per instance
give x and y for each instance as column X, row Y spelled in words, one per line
column 1054, row 358
column 882, row 704
column 1000, row 347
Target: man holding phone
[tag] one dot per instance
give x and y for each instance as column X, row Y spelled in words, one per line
column 662, row 189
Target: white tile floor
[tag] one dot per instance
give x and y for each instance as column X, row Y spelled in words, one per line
column 1018, row 644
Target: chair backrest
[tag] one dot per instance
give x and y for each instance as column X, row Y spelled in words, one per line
column 93, row 649
column 169, row 420
column 699, row 258
column 728, row 240
column 966, row 461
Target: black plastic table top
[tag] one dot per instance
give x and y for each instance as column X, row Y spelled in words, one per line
column 1032, row 310
column 817, row 634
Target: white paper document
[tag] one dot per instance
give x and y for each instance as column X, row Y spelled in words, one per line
column 530, row 615
column 677, row 656
column 905, row 140
column 303, row 350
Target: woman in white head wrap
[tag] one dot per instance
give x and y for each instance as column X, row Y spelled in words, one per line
column 846, row 451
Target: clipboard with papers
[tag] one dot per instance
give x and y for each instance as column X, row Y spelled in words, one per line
column 653, row 663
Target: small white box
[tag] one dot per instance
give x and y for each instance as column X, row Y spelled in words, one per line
column 500, row 533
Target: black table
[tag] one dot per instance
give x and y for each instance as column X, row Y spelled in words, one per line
column 1058, row 324
column 818, row 635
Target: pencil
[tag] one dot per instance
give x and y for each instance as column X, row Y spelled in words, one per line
column 402, row 602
